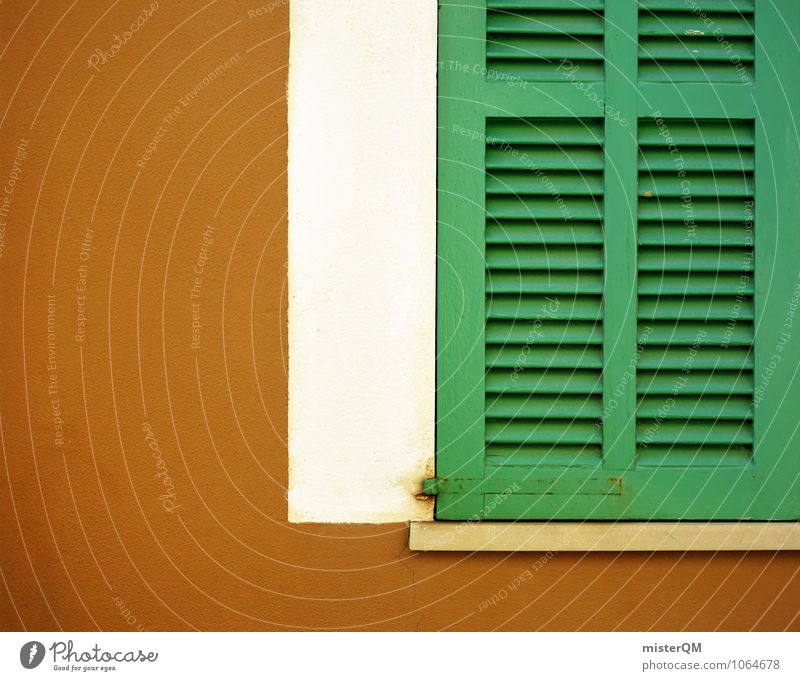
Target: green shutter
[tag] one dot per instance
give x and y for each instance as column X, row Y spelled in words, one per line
column 619, row 246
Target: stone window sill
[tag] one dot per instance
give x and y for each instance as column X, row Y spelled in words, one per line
column 605, row 536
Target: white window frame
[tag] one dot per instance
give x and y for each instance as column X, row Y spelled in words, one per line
column 362, row 293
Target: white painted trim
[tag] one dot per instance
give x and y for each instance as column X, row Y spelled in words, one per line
column 362, row 258
column 594, row 536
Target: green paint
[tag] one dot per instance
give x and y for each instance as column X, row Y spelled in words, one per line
column 601, row 356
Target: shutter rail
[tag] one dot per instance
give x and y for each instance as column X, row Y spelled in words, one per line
column 557, row 484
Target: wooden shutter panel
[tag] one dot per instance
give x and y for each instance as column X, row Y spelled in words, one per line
column 544, row 211
column 529, row 40
column 679, row 40
column 618, row 238
column 695, row 293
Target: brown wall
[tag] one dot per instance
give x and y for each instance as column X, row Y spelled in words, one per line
column 85, row 536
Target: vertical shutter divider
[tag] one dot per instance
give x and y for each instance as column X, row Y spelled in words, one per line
column 619, row 304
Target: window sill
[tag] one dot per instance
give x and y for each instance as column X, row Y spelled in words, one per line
column 605, row 536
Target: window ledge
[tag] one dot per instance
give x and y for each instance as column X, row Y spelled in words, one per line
column 605, row 536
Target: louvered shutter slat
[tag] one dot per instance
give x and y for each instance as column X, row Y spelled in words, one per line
column 529, row 40
column 561, row 179
column 721, row 195
column 699, row 42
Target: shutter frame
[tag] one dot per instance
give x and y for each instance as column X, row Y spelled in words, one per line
column 620, row 487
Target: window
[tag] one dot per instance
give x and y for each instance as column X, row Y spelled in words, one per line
column 618, row 241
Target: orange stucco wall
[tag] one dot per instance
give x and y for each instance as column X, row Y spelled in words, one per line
column 143, row 479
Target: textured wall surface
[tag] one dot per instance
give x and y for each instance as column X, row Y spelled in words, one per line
column 143, row 479
column 362, row 259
